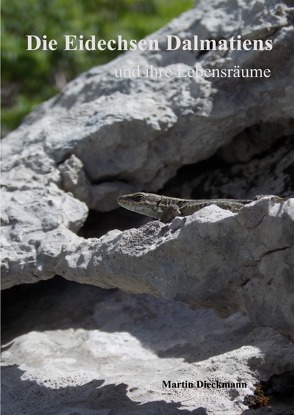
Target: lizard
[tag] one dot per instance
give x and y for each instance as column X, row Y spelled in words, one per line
column 166, row 208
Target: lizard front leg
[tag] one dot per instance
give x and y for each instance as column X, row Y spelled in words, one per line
column 170, row 213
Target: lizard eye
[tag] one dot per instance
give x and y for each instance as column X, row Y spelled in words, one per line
column 138, row 197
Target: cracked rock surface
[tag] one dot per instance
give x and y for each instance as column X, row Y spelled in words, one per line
column 197, row 260
column 103, row 136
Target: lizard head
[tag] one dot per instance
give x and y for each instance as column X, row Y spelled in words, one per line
column 144, row 203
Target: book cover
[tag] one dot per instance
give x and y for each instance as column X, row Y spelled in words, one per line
column 147, row 207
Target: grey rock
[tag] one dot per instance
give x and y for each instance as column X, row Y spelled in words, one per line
column 142, row 130
column 103, row 136
column 213, row 258
column 239, row 169
column 100, row 197
column 31, row 219
column 78, row 349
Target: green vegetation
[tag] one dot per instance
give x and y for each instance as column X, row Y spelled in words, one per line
column 30, row 77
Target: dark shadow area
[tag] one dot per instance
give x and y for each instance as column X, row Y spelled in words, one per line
column 25, row 397
column 99, row 223
column 275, row 393
column 58, row 304
column 47, row 305
column 169, row 329
column 158, row 324
column 233, row 172
column 210, row 178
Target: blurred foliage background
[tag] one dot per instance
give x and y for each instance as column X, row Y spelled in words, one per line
column 30, row 77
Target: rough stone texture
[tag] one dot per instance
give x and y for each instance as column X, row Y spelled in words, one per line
column 82, row 350
column 199, row 261
column 241, row 168
column 104, row 136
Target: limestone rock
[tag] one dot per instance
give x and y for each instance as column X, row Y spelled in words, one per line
column 213, row 258
column 104, row 136
column 79, row 349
